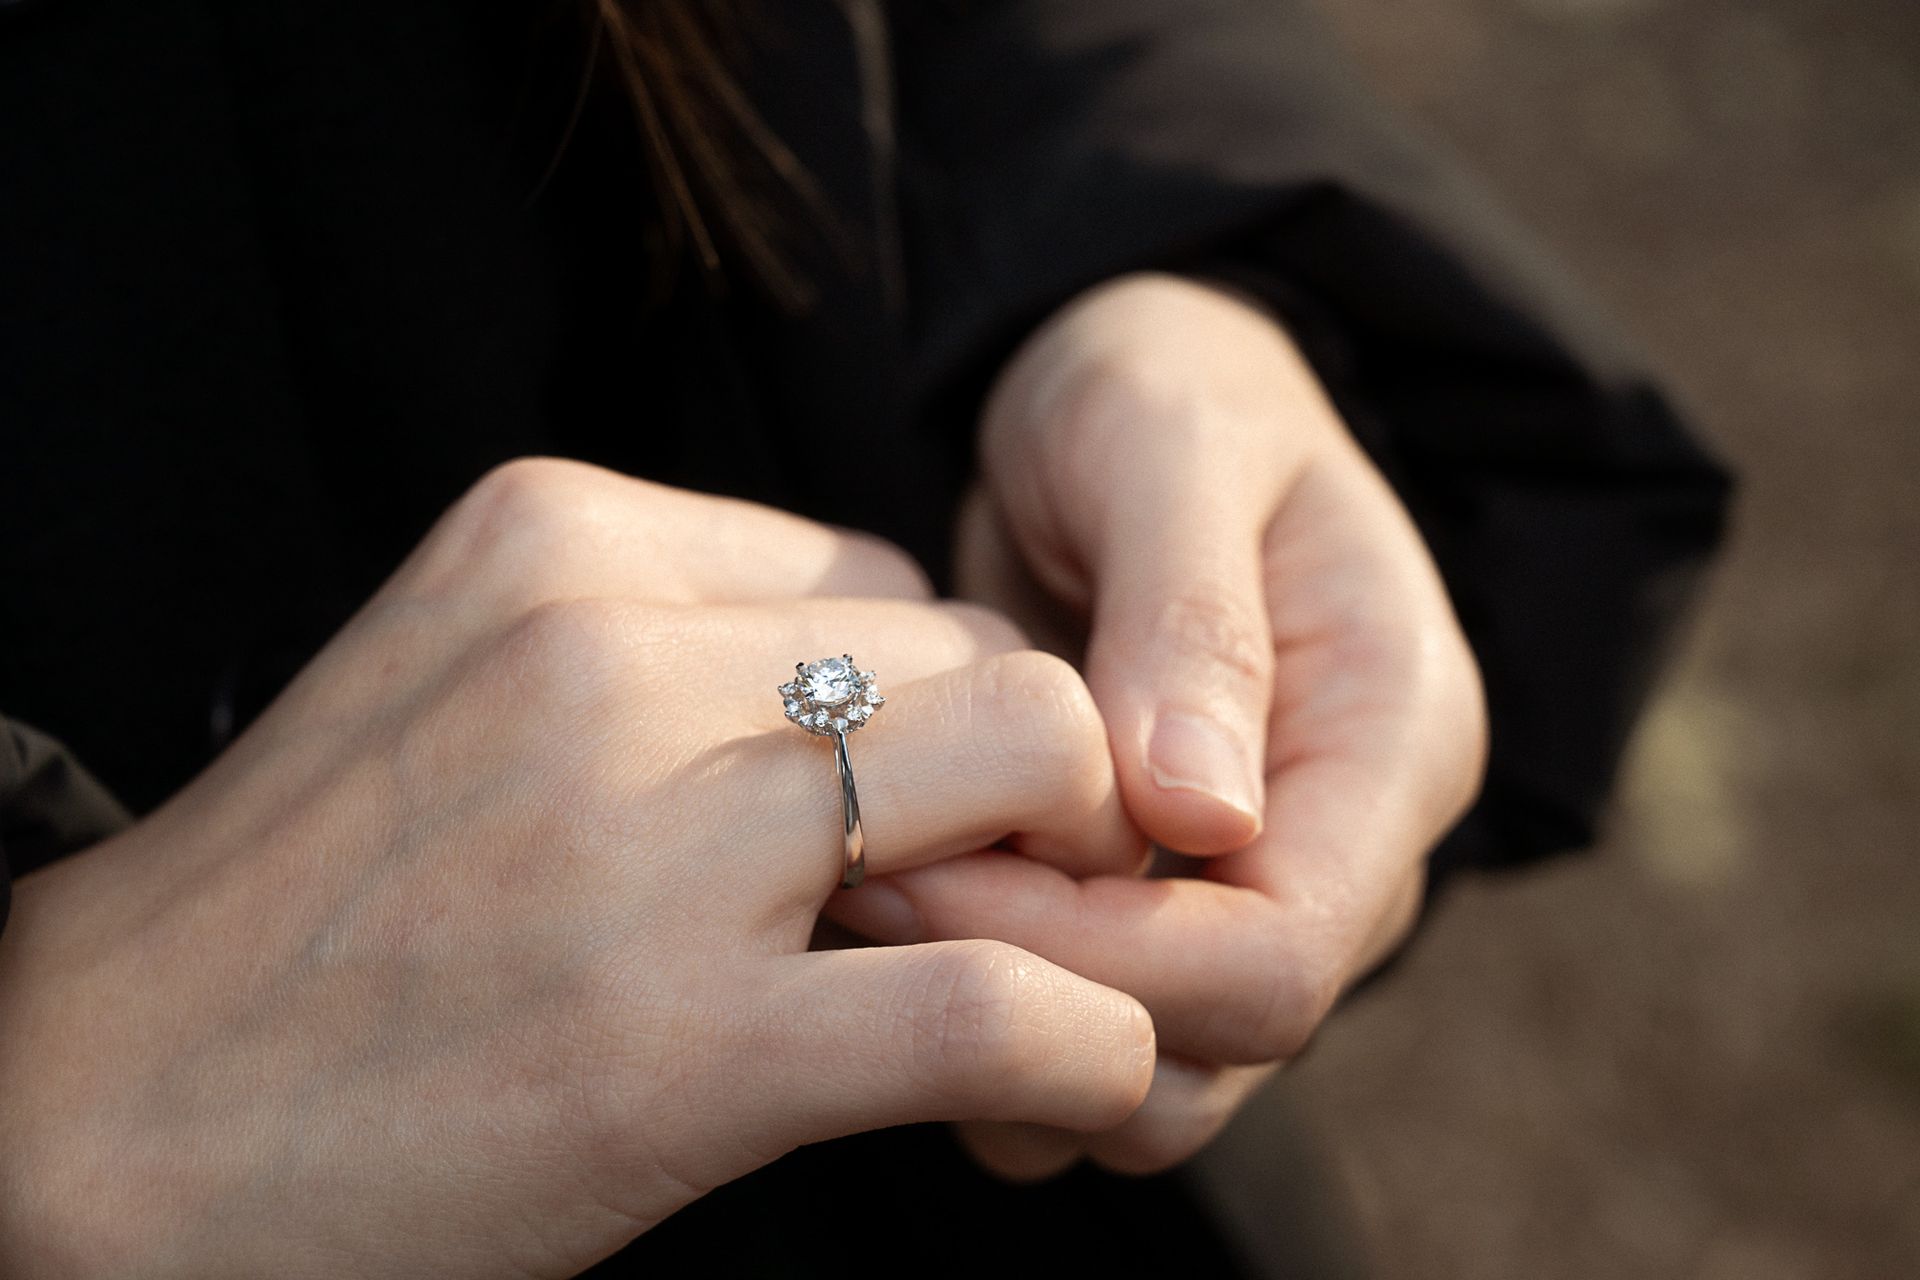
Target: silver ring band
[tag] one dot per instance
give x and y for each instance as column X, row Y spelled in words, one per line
column 854, row 835
column 832, row 698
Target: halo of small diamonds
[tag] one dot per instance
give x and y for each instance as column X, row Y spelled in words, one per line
column 831, row 696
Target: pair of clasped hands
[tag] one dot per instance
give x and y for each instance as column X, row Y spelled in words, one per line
column 491, row 943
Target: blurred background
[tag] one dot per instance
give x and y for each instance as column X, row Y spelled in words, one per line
column 1695, row 1051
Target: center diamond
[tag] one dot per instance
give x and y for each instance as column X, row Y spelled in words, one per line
column 828, row 682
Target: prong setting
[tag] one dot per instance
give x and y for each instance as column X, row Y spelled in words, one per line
column 832, row 696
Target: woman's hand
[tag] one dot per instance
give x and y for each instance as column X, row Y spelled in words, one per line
column 1281, row 674
column 486, row 947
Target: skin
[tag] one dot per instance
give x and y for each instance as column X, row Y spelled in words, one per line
column 487, row 946
column 1287, row 693
column 477, row 955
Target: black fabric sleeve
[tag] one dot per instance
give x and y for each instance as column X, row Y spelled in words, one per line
column 1046, row 145
column 49, row 805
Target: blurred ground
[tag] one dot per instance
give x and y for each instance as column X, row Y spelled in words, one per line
column 1696, row 1052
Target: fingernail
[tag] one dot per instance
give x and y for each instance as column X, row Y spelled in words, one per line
column 1192, row 753
column 883, row 913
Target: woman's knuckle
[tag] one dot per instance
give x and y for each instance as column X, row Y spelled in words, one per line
column 1047, row 723
column 1271, row 1010
column 1117, row 386
column 1027, row 683
column 1219, row 633
column 1293, row 1003
column 524, row 491
column 973, row 1030
column 522, row 519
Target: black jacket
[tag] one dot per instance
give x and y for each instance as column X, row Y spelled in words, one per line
column 278, row 280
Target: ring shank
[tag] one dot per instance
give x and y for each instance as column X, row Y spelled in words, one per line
column 855, row 836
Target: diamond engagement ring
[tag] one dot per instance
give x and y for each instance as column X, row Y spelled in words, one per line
column 830, row 699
